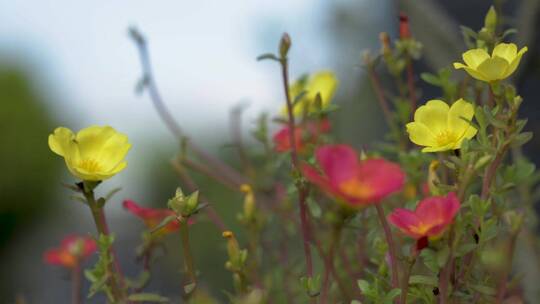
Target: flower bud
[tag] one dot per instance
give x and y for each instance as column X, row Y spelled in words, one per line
column 385, row 43
column 490, row 21
column 249, row 202
column 404, row 29
column 284, row 45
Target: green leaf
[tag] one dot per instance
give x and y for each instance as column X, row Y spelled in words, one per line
column 389, row 297
column 267, row 56
column 189, row 288
column 522, row 138
column 430, row 78
column 423, row 280
column 147, row 297
column 484, row 289
column 363, row 285
column 442, row 256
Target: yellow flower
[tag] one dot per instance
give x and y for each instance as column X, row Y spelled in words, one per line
column 439, row 127
column 501, row 64
column 93, row 154
column 323, row 82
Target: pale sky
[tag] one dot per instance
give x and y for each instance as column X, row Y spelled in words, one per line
column 203, row 53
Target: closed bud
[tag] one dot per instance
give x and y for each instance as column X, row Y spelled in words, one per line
column 404, row 29
column 490, row 22
column 249, row 202
column 385, row 43
column 284, row 45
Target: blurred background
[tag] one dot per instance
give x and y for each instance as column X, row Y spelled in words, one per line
column 71, row 63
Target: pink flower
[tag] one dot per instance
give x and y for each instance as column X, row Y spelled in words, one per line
column 151, row 216
column 356, row 182
column 72, row 251
column 430, row 218
column 304, row 134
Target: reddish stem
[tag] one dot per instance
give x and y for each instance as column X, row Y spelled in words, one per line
column 391, row 245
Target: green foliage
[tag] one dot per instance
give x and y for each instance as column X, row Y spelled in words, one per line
column 100, row 274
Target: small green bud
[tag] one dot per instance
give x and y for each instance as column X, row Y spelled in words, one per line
column 284, row 45
column 490, row 21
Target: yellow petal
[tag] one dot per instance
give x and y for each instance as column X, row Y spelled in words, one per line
column 507, row 51
column 439, row 148
column 92, row 139
column 460, row 110
column 514, row 63
column 113, row 151
column 121, row 166
column 433, row 115
column 61, row 141
column 324, row 83
column 475, row 74
column 420, row 134
column 493, row 68
column 473, row 58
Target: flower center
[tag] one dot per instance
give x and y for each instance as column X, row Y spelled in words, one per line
column 445, row 137
column 90, row 165
column 356, row 188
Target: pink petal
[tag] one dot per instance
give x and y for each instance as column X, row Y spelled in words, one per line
column 384, row 177
column 404, row 219
column 338, row 162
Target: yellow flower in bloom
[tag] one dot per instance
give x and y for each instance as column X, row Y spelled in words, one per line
column 93, row 154
column 439, row 127
column 501, row 64
column 323, row 83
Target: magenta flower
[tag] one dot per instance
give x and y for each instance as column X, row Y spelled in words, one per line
column 430, row 218
column 356, row 183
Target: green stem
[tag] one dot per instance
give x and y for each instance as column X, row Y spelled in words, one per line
column 188, row 259
column 101, row 225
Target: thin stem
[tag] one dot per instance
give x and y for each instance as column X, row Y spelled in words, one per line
column 490, row 173
column 188, row 259
column 410, row 85
column 383, row 103
column 302, row 191
column 330, row 266
column 501, row 290
column 405, row 281
column 391, row 246
column 236, row 133
column 76, row 284
column 329, row 263
column 103, row 229
column 166, row 116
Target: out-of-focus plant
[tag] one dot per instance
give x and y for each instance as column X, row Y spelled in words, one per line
column 315, row 214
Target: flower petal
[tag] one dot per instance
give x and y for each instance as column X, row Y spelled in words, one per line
column 382, row 176
column 61, row 141
column 420, row 134
column 493, row 68
column 474, row 73
column 404, row 220
column 459, row 111
column 433, row 115
column 92, row 139
column 338, row 162
column 507, row 51
column 515, row 62
column 324, row 83
column 473, row 58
